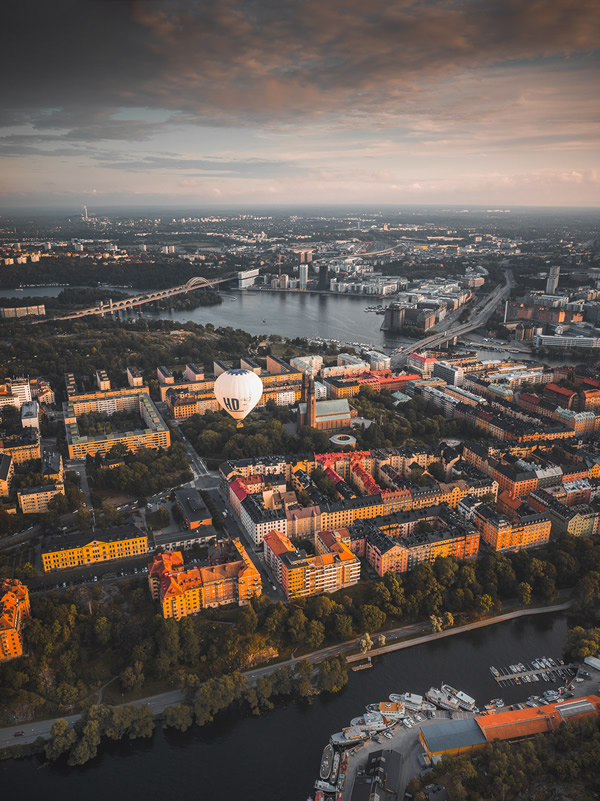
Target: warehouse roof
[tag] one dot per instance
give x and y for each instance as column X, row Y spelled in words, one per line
column 452, row 734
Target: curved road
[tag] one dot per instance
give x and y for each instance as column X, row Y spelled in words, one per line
column 500, row 293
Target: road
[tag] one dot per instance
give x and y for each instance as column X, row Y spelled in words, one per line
column 158, row 703
column 479, row 315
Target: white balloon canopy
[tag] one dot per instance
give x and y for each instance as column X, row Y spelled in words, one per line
column 238, row 392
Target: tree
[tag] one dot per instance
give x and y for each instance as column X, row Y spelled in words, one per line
column 436, row 623
column 333, row 674
column 379, row 640
column 62, row 738
column 314, row 634
column 486, row 603
column 179, row 717
column 342, row 627
column 371, row 618
column 524, row 593
column 447, row 620
column 247, row 620
column 364, row 643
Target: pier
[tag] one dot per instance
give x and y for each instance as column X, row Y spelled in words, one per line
column 554, row 674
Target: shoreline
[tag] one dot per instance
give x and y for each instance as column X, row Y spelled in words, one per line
column 158, row 703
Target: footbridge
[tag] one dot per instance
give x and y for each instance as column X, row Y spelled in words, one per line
column 111, row 306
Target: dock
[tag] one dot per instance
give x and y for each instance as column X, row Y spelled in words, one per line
column 526, row 676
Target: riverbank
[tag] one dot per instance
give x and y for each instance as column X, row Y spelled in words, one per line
column 405, row 636
column 293, row 733
column 478, row 624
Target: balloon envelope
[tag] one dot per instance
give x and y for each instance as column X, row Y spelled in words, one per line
column 238, row 392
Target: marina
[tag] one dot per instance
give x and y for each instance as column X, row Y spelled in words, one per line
column 543, row 669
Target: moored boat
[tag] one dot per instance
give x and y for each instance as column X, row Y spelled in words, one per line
column 410, row 700
column 370, row 722
column 393, row 710
column 351, row 735
column 326, row 761
column 442, row 699
column 464, row 701
column 334, row 768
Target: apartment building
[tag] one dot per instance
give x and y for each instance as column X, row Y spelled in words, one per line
column 119, row 542
column 35, row 500
column 333, row 567
column 527, row 529
column 183, row 592
column 14, row 611
column 155, row 436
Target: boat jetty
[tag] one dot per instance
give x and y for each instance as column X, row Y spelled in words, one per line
column 542, row 669
column 378, row 721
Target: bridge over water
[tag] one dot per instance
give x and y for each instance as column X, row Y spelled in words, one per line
column 111, row 306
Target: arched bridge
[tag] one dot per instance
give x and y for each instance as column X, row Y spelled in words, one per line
column 111, row 306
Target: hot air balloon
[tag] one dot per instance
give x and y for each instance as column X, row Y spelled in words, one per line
column 238, row 392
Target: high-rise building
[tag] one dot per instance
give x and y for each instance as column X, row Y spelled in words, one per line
column 552, row 281
column 303, row 276
column 323, row 277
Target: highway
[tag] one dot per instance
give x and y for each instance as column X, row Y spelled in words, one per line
column 479, row 315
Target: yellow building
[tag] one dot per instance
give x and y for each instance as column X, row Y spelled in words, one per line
column 14, row 611
column 183, row 592
column 333, row 567
column 35, row 500
column 23, row 447
column 154, row 437
column 103, row 545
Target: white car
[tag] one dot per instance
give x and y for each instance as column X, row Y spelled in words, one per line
column 388, row 734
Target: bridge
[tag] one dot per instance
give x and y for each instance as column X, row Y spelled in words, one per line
column 111, row 306
column 479, row 316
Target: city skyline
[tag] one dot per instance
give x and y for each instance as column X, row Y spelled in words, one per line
column 231, row 103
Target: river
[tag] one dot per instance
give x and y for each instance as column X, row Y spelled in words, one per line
column 289, row 314
column 276, row 757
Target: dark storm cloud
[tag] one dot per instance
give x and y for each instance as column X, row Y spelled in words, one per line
column 235, row 60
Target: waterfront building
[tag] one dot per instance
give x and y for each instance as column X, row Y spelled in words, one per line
column 14, row 611
column 102, row 545
column 387, row 553
column 183, row 592
column 461, row 736
column 527, row 529
column 35, row 500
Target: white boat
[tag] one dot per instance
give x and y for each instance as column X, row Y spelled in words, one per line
column 370, row 722
column 348, row 736
column 392, row 710
column 464, row 701
column 325, row 786
column 334, row 768
column 410, row 700
column 442, row 699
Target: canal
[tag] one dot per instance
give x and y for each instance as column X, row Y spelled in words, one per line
column 276, row 757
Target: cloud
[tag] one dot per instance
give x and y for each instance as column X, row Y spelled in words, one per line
column 240, row 60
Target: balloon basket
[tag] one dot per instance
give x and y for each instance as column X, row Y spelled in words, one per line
column 240, row 425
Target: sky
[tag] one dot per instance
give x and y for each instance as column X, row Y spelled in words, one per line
column 243, row 102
